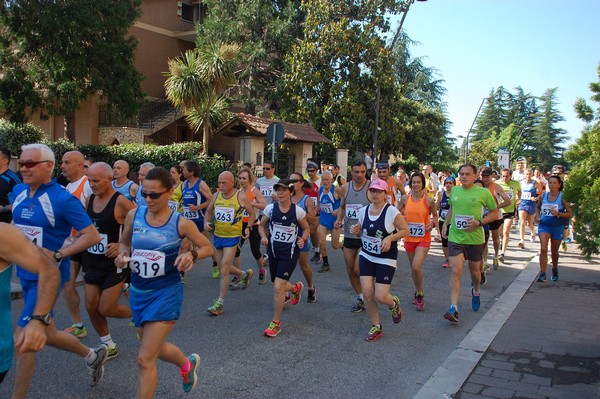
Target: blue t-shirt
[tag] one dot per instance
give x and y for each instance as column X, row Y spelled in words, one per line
column 47, row 219
column 6, row 330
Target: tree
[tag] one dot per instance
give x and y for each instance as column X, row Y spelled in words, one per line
column 582, row 188
column 199, row 81
column 265, row 31
column 55, row 55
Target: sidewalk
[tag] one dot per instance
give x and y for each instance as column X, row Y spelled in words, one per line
column 549, row 347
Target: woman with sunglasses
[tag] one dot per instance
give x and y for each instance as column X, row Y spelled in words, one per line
column 417, row 207
column 304, row 202
column 379, row 226
column 151, row 244
column 443, row 206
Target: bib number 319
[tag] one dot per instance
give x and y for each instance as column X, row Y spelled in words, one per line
column 148, row 264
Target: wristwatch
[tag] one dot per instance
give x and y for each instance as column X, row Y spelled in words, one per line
column 46, row 319
column 58, row 256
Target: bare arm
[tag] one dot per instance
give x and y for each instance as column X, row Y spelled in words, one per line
column 259, row 200
column 209, row 212
column 505, row 200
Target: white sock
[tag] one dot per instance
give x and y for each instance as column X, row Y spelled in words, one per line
column 107, row 340
column 360, row 296
column 91, row 356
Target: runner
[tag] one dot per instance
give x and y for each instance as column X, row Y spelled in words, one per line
column 46, row 213
column 8, row 180
column 312, row 190
column 431, row 180
column 354, row 197
column 16, row 248
column 73, row 170
column 338, row 179
column 150, row 244
column 107, row 209
column 142, row 172
column 303, row 201
column 417, row 208
column 466, row 236
column 228, row 205
column 495, row 225
column 394, row 186
column 443, row 204
column 176, row 200
column 559, row 170
column 551, row 210
column 538, row 176
column 328, row 204
column 380, row 226
column 512, row 189
column 530, row 189
column 519, row 173
column 121, row 181
column 288, row 233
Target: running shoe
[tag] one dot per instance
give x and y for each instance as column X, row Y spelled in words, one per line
column 451, row 314
column 96, row 368
column 359, row 306
column 521, row 244
column 316, row 258
column 235, row 282
column 501, row 257
column 555, row 276
column 190, row 378
column 288, row 297
column 113, row 351
column 182, row 278
column 396, row 310
column 273, row 330
column 374, row 334
column 216, row 273
column 76, row 331
column 312, row 295
column 568, row 240
column 419, row 302
column 475, row 301
column 495, row 263
column 532, row 239
column 245, row 283
column 324, row 268
column 296, row 295
column 216, row 309
column 262, row 276
column 446, row 264
column 563, row 246
column 542, row 278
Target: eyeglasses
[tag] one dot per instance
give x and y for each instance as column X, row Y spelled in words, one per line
column 267, row 168
column 153, row 196
column 311, row 170
column 30, row 164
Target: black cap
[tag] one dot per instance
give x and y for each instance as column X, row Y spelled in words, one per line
column 286, row 183
column 486, row 172
column 521, row 159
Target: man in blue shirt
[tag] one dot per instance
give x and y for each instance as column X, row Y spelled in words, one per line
column 8, row 180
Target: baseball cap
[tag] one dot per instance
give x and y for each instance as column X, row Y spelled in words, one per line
column 285, row 183
column 521, row 159
column 378, row 184
column 383, row 165
column 486, row 172
column 558, row 168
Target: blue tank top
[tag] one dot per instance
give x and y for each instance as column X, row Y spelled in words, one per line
column 124, row 189
column 193, row 196
column 546, row 217
column 374, row 232
column 302, row 204
column 154, row 250
column 6, row 331
column 528, row 191
column 328, row 205
column 284, row 232
column 444, row 206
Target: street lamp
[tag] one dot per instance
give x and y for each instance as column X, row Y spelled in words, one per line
column 378, row 88
column 471, row 128
column 512, row 151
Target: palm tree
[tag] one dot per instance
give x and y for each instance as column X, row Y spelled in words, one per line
column 198, row 83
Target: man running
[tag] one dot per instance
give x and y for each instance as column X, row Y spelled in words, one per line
column 314, row 181
column 395, row 186
column 228, row 205
column 8, row 180
column 142, row 172
column 466, row 238
column 107, row 209
column 512, row 189
column 121, row 181
column 354, row 197
column 498, row 193
column 519, row 173
column 46, row 213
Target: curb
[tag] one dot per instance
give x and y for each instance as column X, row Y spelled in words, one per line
column 455, row 370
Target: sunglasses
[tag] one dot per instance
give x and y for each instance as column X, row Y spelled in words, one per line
column 311, row 170
column 30, row 164
column 153, row 196
column 267, row 168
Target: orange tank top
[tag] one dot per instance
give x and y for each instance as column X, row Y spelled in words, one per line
column 250, row 195
column 416, row 214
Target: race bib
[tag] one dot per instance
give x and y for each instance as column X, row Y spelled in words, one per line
column 326, row 208
column 188, row 214
column 224, row 215
column 314, row 200
column 443, row 213
column 34, row 233
column 416, row 229
column 285, row 234
column 526, row 195
column 266, row 191
column 100, row 248
column 547, row 209
column 174, row 205
column 352, row 210
column 462, row 221
column 147, row 263
column 371, row 244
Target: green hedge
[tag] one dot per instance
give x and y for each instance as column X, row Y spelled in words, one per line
column 14, row 135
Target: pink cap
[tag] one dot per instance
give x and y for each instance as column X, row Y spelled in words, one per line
column 378, row 184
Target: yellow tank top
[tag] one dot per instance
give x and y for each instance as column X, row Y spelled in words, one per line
column 228, row 216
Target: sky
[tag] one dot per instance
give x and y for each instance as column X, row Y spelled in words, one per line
column 478, row 45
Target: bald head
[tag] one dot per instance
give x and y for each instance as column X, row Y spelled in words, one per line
column 100, row 176
column 102, row 169
column 121, row 170
column 72, row 165
column 226, row 183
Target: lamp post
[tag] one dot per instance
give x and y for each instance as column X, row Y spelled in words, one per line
column 471, row 128
column 512, row 150
column 378, row 88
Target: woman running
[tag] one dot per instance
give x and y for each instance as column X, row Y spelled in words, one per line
column 417, row 207
column 380, row 226
column 552, row 211
column 151, row 242
column 530, row 189
column 288, row 232
column 328, row 204
column 442, row 206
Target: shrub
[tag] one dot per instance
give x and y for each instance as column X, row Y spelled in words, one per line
column 14, row 135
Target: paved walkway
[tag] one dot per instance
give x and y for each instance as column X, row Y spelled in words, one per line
column 548, row 347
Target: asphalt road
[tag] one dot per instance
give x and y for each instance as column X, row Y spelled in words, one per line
column 320, row 353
